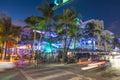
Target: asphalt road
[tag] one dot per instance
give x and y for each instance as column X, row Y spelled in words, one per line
column 55, row 73
column 60, row 72
column 12, row 74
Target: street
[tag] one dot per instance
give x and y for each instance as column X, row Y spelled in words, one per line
column 12, row 74
column 71, row 72
column 61, row 72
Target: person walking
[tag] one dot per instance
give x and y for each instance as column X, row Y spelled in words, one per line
column 36, row 60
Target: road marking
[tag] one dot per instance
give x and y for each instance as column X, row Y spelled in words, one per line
column 38, row 73
column 26, row 76
column 34, row 70
column 79, row 76
column 76, row 78
column 9, row 77
column 53, row 76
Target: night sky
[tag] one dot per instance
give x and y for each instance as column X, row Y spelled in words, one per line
column 106, row 10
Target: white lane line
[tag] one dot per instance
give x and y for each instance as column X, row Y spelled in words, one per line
column 79, row 76
column 27, row 71
column 76, row 78
column 26, row 76
column 53, row 76
column 38, row 73
column 89, row 67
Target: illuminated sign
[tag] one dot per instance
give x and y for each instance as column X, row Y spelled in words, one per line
column 64, row 1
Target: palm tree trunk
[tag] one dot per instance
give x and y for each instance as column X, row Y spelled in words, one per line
column 39, row 45
column 105, row 46
column 68, row 45
column 50, row 42
column 67, row 49
column 34, row 43
column 39, row 42
column 4, row 50
column 1, row 51
column 98, row 39
column 74, row 44
column 64, row 52
column 92, row 44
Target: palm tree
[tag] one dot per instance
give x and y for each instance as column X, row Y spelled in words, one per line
column 106, row 37
column 99, row 30
column 41, row 22
column 47, row 14
column 94, row 30
column 68, row 27
column 115, row 42
column 8, row 31
column 35, row 23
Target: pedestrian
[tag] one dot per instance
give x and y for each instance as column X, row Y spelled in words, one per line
column 36, row 60
column 30, row 58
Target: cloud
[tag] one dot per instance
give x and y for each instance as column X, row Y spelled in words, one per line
column 115, row 27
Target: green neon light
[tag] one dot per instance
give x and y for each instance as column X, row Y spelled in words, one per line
column 64, row 1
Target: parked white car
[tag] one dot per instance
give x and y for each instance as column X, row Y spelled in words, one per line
column 7, row 65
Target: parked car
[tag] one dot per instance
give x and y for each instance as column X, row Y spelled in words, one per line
column 6, row 65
